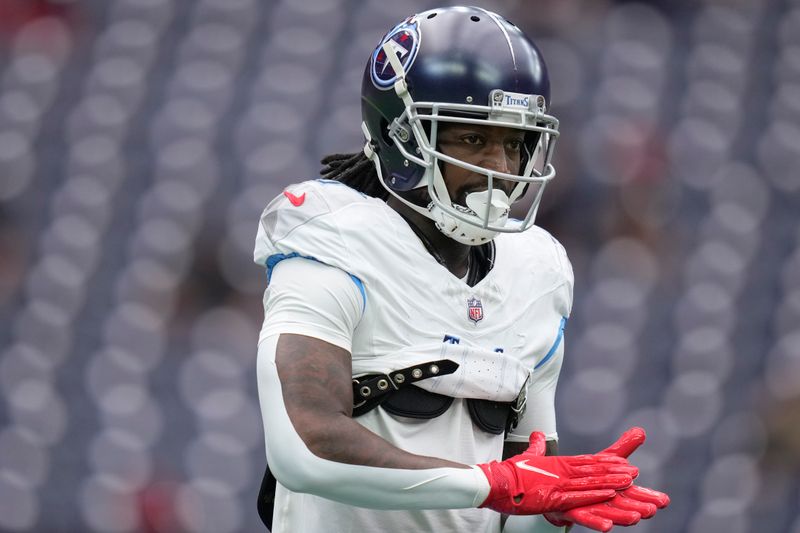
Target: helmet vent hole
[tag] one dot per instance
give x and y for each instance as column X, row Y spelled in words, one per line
column 475, row 18
column 385, row 132
column 432, row 15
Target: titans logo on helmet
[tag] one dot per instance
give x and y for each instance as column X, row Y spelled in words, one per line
column 404, row 41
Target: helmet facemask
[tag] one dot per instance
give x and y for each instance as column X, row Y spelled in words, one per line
column 415, row 134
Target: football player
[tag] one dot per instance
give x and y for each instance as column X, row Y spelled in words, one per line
column 413, row 331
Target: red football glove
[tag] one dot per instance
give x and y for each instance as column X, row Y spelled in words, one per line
column 601, row 516
column 530, row 483
column 624, row 447
column 627, row 507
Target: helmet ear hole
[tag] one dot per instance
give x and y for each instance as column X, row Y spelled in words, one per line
column 385, row 132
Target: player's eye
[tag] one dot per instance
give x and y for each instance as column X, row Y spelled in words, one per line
column 514, row 145
column 472, row 139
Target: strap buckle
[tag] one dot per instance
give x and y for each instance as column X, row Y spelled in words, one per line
column 518, row 406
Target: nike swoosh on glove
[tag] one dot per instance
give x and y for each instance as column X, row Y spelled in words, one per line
column 531, row 483
column 627, row 507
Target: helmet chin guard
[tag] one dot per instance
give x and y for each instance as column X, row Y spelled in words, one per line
column 470, row 232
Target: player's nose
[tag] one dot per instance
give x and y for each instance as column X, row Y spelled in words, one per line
column 494, row 157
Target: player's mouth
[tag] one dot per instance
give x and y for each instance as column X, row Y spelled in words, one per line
column 461, row 197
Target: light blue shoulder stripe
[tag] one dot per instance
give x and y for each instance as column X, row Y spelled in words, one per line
column 274, row 259
column 360, row 286
column 555, row 345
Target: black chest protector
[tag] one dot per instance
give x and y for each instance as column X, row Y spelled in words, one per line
column 396, row 393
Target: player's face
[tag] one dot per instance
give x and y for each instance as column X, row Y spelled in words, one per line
column 491, row 147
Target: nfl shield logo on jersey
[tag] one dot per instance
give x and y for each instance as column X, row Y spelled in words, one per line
column 474, row 310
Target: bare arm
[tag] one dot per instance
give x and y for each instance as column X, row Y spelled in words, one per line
column 317, row 390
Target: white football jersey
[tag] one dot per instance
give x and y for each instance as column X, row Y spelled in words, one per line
column 412, row 305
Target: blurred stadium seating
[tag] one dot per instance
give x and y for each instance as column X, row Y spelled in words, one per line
column 140, row 140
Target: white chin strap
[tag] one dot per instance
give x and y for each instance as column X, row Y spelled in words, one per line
column 471, row 233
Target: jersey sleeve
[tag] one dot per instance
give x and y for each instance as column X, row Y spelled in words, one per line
column 565, row 292
column 540, row 412
column 306, row 297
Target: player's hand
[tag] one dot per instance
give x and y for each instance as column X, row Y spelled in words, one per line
column 628, row 443
column 628, row 506
column 602, row 516
column 530, row 483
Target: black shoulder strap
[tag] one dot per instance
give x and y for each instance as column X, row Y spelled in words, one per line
column 372, row 390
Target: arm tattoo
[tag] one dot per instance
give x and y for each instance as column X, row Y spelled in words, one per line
column 316, row 382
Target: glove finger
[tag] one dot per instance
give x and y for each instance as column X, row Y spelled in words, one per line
column 643, row 494
column 538, row 446
column 620, row 517
column 627, row 443
column 580, row 498
column 585, row 517
column 589, row 459
column 610, row 481
column 603, row 469
column 647, row 510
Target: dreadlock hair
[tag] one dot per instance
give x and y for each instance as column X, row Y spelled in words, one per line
column 355, row 171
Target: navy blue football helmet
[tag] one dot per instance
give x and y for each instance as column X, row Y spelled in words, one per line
column 465, row 65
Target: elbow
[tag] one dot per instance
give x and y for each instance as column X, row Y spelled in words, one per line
column 302, row 467
column 294, row 478
column 293, row 472
column 324, row 440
